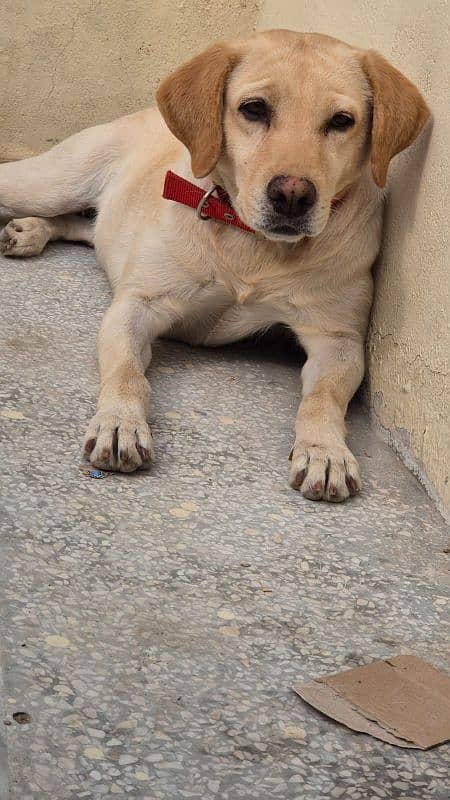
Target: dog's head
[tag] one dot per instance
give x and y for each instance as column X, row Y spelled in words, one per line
column 286, row 122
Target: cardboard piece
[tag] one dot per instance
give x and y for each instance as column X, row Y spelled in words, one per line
column 403, row 701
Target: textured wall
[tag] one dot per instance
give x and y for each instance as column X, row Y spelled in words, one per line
column 64, row 66
column 409, row 342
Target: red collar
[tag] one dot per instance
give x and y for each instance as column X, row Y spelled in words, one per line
column 209, row 207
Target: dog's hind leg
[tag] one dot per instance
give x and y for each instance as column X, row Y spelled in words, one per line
column 29, row 236
column 66, row 179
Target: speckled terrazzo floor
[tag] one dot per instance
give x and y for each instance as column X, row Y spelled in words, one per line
column 153, row 625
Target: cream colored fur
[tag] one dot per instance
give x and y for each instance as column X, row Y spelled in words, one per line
column 202, row 281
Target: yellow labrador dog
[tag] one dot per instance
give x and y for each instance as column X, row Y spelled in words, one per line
column 298, row 131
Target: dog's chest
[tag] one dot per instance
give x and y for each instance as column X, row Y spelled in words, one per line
column 236, row 292
column 254, row 278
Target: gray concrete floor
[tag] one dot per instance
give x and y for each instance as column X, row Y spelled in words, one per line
column 153, row 625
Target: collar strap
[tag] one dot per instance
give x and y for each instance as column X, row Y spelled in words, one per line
column 208, row 207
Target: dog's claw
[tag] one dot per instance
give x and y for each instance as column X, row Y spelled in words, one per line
column 118, row 444
column 322, row 473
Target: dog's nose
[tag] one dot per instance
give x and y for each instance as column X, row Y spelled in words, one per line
column 290, row 196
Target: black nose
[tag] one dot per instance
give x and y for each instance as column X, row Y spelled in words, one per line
column 291, row 197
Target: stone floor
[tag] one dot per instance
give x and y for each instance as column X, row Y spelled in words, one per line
column 153, row 625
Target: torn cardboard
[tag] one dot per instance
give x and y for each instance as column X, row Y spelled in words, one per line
column 403, row 701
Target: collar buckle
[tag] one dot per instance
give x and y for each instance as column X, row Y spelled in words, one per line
column 203, row 203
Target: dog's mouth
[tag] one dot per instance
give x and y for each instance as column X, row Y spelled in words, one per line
column 284, row 230
column 292, row 230
column 285, row 233
column 277, row 227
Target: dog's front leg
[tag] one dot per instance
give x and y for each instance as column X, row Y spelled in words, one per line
column 323, row 468
column 118, row 437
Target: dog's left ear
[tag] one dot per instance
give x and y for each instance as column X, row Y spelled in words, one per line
column 399, row 112
column 191, row 102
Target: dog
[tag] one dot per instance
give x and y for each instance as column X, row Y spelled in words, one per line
column 285, row 140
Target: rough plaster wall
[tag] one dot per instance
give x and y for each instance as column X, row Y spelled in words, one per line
column 65, row 66
column 409, row 341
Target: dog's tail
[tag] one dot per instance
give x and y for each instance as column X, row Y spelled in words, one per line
column 15, row 153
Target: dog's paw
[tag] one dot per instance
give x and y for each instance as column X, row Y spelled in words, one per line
column 324, row 473
column 118, row 443
column 24, row 237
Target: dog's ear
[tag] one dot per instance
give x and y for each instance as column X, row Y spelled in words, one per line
column 191, row 102
column 399, row 112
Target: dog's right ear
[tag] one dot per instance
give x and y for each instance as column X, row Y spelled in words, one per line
column 191, row 102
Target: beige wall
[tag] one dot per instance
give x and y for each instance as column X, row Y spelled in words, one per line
column 409, row 341
column 65, row 66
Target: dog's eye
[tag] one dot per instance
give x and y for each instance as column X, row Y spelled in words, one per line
column 341, row 121
column 255, row 111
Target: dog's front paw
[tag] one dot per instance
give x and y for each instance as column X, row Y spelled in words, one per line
column 322, row 472
column 118, row 443
column 24, row 237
